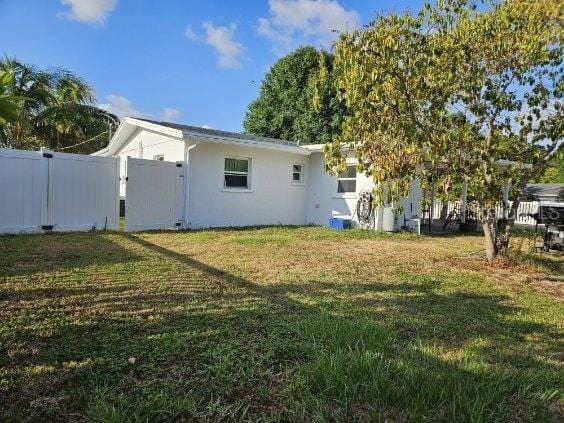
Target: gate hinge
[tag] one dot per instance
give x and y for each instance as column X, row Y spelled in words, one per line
column 178, row 164
column 127, row 178
column 47, row 227
column 48, row 155
column 178, row 224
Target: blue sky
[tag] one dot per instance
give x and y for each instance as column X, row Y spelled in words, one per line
column 194, row 62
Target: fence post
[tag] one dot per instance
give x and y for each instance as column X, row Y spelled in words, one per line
column 47, row 190
column 117, row 187
column 181, row 193
column 505, row 198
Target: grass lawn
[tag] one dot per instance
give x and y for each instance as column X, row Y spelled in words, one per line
column 276, row 324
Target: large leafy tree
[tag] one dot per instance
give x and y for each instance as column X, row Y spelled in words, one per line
column 473, row 90
column 284, row 108
column 56, row 111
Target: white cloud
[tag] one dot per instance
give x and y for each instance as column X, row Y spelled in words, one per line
column 190, row 33
column 123, row 107
column 282, row 40
column 221, row 38
column 89, row 11
column 207, row 127
column 292, row 22
column 168, row 114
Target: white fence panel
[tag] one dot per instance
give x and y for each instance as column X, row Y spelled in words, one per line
column 59, row 191
column 154, row 194
column 21, row 189
column 523, row 217
column 525, row 210
column 84, row 192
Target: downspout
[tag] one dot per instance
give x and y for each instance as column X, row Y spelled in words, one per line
column 186, row 184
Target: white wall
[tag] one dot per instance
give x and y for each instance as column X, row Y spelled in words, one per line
column 324, row 202
column 412, row 204
column 273, row 198
column 145, row 144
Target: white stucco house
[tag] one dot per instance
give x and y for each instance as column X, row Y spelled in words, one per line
column 236, row 179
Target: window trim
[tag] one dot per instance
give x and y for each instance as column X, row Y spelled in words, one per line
column 348, row 194
column 249, row 186
column 302, row 173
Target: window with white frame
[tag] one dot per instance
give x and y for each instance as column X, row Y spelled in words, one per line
column 297, row 173
column 159, row 157
column 346, row 182
column 236, row 173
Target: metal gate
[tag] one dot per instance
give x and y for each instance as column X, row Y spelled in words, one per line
column 154, row 195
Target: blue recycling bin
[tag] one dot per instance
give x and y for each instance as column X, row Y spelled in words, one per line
column 339, row 223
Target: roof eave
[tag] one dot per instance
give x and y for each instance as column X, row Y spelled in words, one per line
column 119, row 138
column 251, row 143
column 129, row 125
column 176, row 133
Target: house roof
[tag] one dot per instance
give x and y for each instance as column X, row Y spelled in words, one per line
column 219, row 133
column 544, row 190
column 129, row 125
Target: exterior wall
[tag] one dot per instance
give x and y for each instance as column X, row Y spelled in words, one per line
column 411, row 205
column 324, row 202
column 145, row 145
column 272, row 199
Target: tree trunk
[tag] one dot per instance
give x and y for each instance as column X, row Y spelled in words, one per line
column 490, row 231
column 444, row 211
column 504, row 245
column 497, row 237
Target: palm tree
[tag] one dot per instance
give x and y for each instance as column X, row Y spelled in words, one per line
column 9, row 105
column 59, row 111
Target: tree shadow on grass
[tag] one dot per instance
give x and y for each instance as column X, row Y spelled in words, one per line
column 26, row 255
column 209, row 344
column 426, row 316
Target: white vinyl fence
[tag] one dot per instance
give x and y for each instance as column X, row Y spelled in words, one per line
column 154, row 195
column 45, row 190
column 523, row 217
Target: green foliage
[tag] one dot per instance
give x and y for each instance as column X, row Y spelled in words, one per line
column 285, row 107
column 9, row 104
column 450, row 94
column 554, row 172
column 56, row 110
